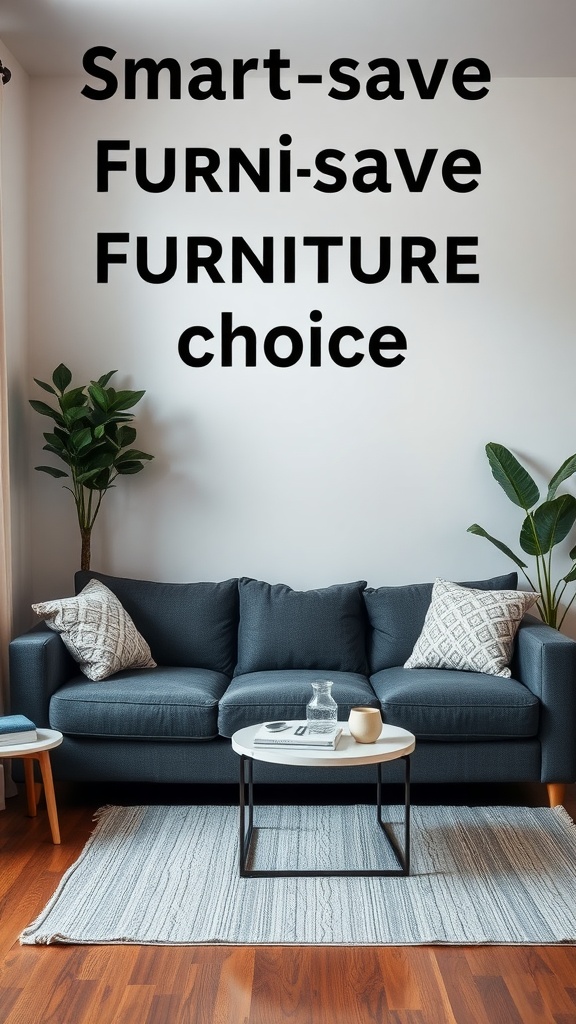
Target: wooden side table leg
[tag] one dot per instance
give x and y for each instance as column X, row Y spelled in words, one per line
column 46, row 769
column 556, row 793
column 30, row 786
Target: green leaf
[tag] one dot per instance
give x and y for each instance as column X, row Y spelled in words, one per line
column 109, row 419
column 61, row 377
column 76, row 397
column 81, row 438
column 50, row 469
column 126, row 436
column 56, row 441
column 90, row 467
column 46, row 410
column 99, row 397
column 97, row 416
column 101, row 481
column 125, row 399
column 481, row 532
column 85, row 478
column 102, row 381
column 548, row 525
column 126, row 468
column 571, row 576
column 566, row 470
column 56, row 451
column 42, row 384
column 103, row 458
column 99, row 431
column 77, row 413
column 560, row 515
column 515, row 481
column 131, row 455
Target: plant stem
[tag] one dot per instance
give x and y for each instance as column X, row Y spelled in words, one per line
column 566, row 610
column 553, row 604
column 85, row 554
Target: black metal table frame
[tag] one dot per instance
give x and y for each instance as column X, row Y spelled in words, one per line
column 402, row 854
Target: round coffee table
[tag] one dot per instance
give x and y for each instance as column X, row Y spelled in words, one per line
column 38, row 751
column 393, row 743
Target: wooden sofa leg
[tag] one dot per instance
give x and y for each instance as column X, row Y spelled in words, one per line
column 556, row 793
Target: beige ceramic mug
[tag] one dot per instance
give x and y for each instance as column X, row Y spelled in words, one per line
column 365, row 724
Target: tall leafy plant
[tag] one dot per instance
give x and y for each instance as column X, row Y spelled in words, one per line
column 544, row 526
column 93, row 438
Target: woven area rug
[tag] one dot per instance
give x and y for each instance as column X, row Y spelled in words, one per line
column 169, row 875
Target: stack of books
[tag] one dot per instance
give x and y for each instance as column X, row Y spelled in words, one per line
column 16, row 729
column 296, row 734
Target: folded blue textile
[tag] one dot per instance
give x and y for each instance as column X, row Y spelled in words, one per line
column 16, row 729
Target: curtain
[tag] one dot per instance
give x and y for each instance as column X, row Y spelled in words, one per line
column 5, row 541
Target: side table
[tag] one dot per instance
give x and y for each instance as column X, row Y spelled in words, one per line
column 38, row 751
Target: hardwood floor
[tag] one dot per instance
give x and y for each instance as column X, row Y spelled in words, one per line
column 254, row 985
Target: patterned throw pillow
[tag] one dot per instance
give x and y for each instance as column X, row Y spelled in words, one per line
column 97, row 631
column 470, row 630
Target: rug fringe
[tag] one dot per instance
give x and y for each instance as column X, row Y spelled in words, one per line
column 562, row 813
column 103, row 811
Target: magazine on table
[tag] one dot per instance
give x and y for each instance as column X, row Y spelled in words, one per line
column 296, row 734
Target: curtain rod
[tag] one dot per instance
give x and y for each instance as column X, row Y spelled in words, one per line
column 5, row 73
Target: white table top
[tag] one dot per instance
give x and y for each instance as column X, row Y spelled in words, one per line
column 393, row 742
column 47, row 740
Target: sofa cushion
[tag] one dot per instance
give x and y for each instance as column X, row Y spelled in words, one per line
column 266, row 696
column 470, row 630
column 444, row 704
column 281, row 628
column 396, row 616
column 97, row 631
column 186, row 624
column 163, row 704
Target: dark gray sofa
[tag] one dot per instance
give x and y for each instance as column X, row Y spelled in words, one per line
column 233, row 653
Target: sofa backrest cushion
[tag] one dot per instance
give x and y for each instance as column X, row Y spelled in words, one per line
column 191, row 625
column 281, row 628
column 396, row 617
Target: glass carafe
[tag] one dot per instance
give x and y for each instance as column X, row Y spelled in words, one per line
column 322, row 709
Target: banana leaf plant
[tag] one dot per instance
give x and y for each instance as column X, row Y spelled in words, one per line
column 92, row 437
column 544, row 526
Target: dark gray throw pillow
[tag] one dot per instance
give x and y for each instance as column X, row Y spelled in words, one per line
column 281, row 628
column 188, row 625
column 396, row 617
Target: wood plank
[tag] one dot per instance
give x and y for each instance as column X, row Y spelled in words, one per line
column 111, row 966
column 519, row 967
column 134, row 1005
column 283, row 988
column 8, row 998
column 233, row 998
column 498, row 1003
column 345, row 985
column 463, row 995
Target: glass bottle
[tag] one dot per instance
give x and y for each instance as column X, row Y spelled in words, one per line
column 322, row 709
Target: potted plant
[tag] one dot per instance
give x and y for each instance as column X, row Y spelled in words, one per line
column 93, row 438
column 544, row 526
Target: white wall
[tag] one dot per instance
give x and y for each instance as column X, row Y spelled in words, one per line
column 309, row 475
column 14, row 182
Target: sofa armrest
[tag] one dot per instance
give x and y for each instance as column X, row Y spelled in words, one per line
column 545, row 661
column 39, row 665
